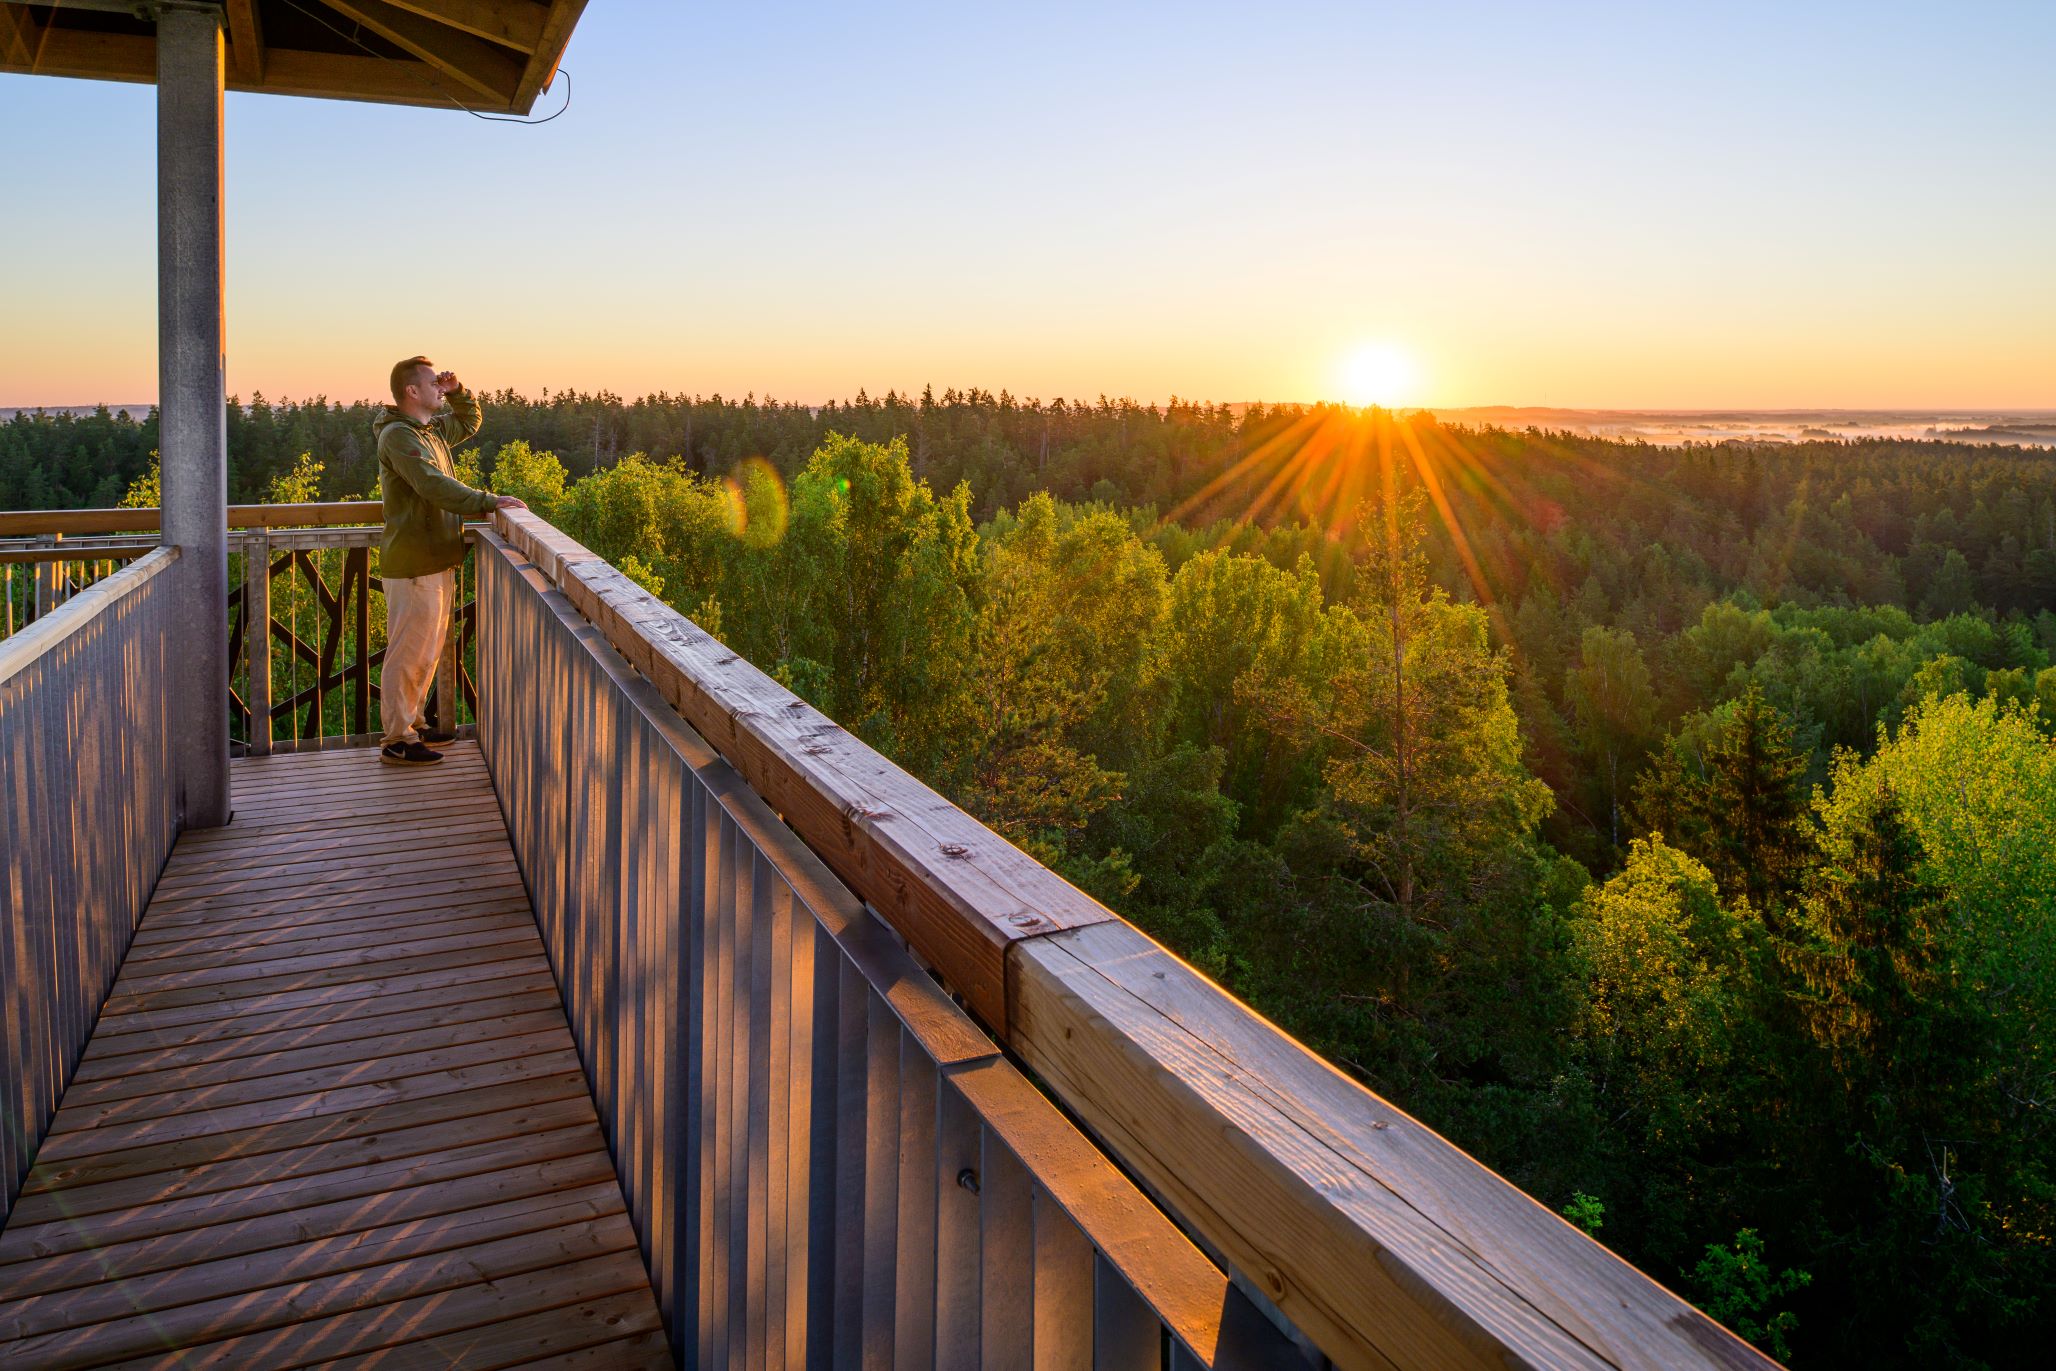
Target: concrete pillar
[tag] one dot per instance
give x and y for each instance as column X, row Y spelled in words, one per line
column 192, row 396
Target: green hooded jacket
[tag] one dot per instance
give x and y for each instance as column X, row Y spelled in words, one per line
column 425, row 503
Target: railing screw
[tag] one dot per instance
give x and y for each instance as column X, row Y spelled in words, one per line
column 968, row 1179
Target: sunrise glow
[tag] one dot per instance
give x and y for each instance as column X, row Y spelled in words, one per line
column 1383, row 374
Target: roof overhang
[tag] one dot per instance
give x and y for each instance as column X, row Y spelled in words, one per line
column 492, row 56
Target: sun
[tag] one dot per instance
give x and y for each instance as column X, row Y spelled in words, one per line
column 1383, row 374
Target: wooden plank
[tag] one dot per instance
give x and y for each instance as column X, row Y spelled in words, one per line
column 251, row 1254
column 482, row 67
column 21, row 37
column 188, row 862
column 401, row 1324
column 279, row 1151
column 365, row 1055
column 391, row 1074
column 642, row 1352
column 510, row 23
column 1380, row 1239
column 70, row 1144
column 152, row 981
column 337, row 879
column 91, row 54
column 24, row 523
column 474, row 905
column 541, row 68
column 227, row 997
column 317, row 1003
column 246, row 40
column 233, row 1328
column 280, row 909
column 92, row 1219
column 618, row 1332
column 176, row 963
column 534, row 992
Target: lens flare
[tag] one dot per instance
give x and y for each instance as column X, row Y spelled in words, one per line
column 761, row 509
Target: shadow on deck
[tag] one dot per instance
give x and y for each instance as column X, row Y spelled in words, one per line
column 331, row 1108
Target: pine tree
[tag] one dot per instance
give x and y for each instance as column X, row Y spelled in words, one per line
column 1753, row 804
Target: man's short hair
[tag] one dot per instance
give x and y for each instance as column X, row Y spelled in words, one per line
column 403, row 374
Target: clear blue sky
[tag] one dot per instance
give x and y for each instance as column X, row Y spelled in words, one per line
column 1627, row 205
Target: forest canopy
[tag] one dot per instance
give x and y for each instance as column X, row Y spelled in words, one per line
column 1670, row 827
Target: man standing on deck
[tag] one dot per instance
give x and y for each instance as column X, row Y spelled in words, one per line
column 425, row 508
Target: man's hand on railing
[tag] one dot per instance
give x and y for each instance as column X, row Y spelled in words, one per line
column 510, row 502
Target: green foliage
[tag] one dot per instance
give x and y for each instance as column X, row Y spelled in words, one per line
column 1587, row 1212
column 535, row 477
column 298, row 484
column 147, row 490
column 1738, row 1287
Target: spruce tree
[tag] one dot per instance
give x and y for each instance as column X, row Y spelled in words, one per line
column 1753, row 805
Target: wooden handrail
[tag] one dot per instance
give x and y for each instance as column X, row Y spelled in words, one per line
column 1381, row 1240
column 26, row 523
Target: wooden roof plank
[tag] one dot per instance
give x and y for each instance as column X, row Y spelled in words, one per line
column 21, row 36
column 482, row 67
column 542, row 67
column 510, row 23
column 246, row 40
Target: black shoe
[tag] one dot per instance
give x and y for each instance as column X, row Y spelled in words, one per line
column 436, row 737
column 408, row 754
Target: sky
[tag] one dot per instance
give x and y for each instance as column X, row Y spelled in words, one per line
column 1622, row 206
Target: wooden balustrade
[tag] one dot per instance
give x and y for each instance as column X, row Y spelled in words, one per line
column 1380, row 1240
column 92, row 808
column 826, row 1160
column 29, row 523
column 306, row 571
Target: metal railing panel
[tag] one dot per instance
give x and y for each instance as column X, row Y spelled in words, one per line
column 827, row 1162
column 91, row 806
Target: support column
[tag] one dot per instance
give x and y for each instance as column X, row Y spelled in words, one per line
column 192, row 397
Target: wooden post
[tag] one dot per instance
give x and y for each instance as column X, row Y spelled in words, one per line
column 192, row 394
column 257, row 638
column 445, row 712
column 49, row 575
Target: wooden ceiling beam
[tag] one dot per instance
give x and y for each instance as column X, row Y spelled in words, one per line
column 21, row 38
column 133, row 57
column 510, row 23
column 78, row 52
column 542, row 66
column 478, row 65
column 246, row 40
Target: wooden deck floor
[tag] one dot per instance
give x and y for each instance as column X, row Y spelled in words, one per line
column 331, row 1113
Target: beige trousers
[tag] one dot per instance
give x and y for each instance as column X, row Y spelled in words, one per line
column 417, row 624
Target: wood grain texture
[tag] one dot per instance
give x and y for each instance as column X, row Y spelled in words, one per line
column 1384, row 1242
column 354, row 1135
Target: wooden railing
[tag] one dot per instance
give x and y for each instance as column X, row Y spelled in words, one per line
column 1374, row 1237
column 827, row 1161
column 92, row 807
column 308, row 572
